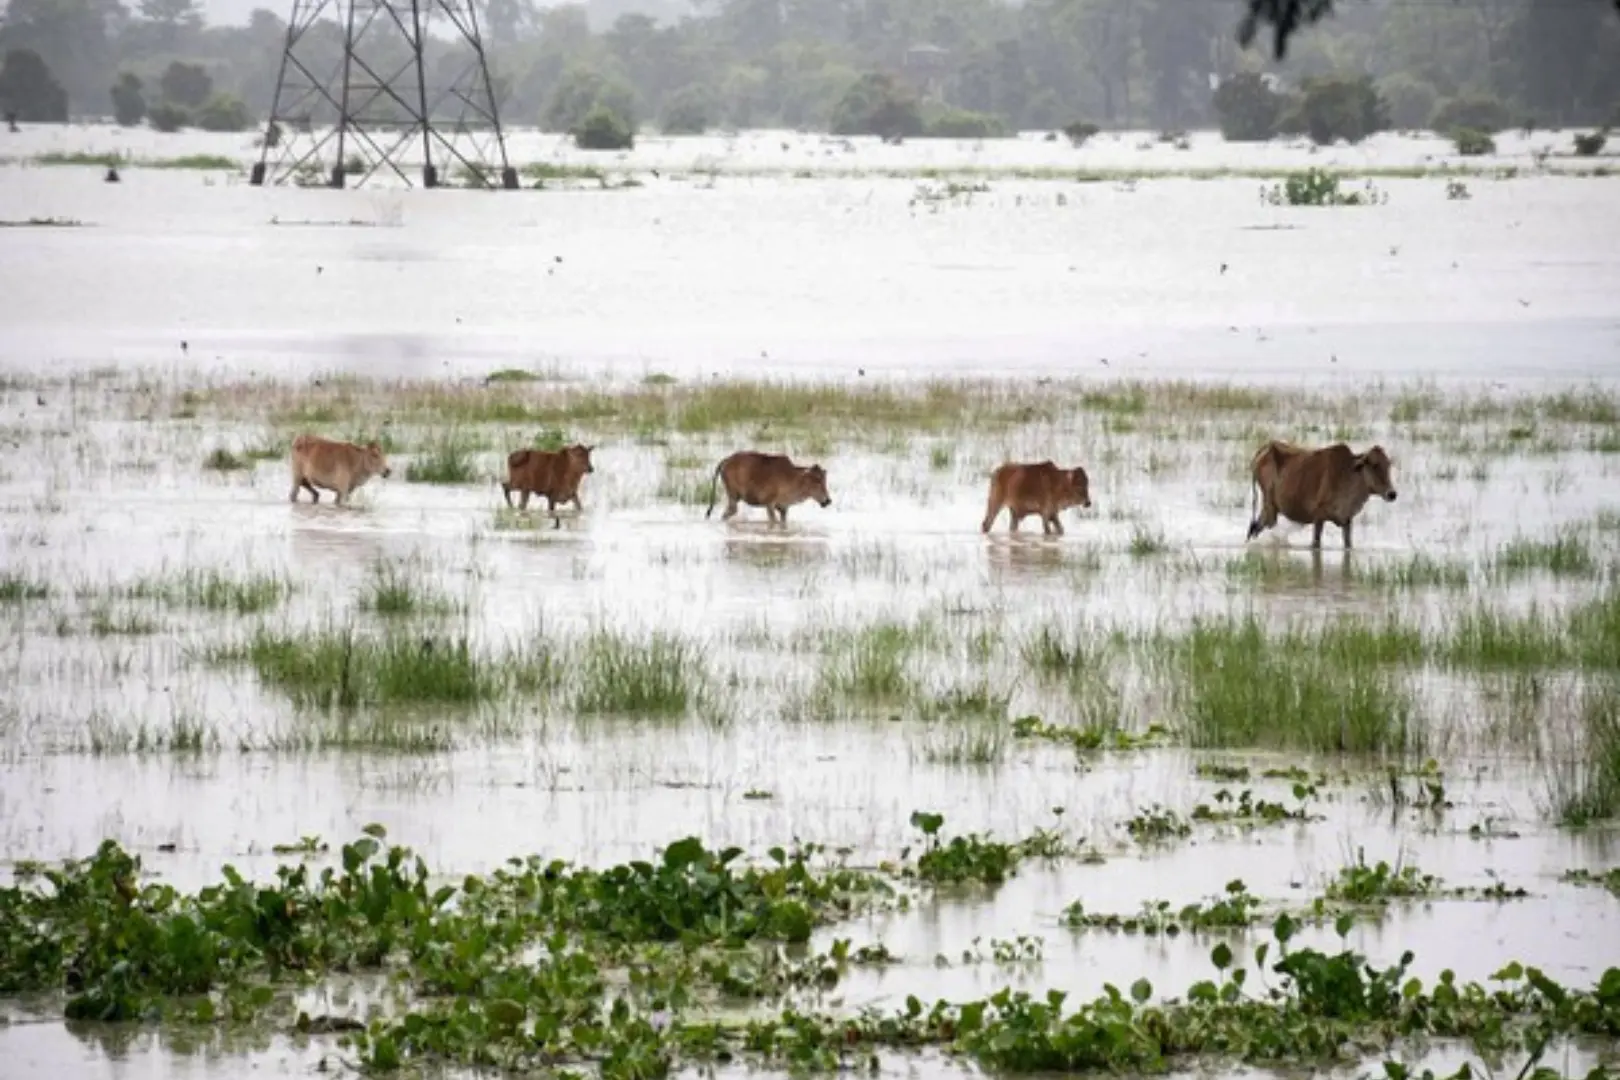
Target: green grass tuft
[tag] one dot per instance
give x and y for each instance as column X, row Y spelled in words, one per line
column 658, row 675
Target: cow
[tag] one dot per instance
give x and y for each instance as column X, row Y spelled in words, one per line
column 339, row 467
column 1039, row 488
column 1315, row 486
column 768, row 480
column 554, row 474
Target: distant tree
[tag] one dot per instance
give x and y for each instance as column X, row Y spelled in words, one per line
column 167, row 116
column 129, row 104
column 186, row 85
column 1348, row 109
column 688, row 111
column 875, row 104
column 580, row 90
column 29, row 91
column 223, row 112
column 1247, row 108
column 1411, row 100
column 603, row 129
column 172, row 18
column 1477, row 112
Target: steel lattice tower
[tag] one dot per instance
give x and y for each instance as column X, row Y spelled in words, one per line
column 374, row 109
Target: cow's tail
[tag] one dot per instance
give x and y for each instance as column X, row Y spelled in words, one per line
column 714, row 485
column 1254, row 493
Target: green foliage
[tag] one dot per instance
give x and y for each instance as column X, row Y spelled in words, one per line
column 1590, row 144
column 1079, row 132
column 657, row 676
column 1411, row 100
column 167, row 116
column 1317, row 187
column 1472, row 143
column 580, row 92
column 1247, row 108
column 448, row 459
column 17, row 589
column 129, row 104
column 688, row 111
column 223, row 112
column 186, row 85
column 963, row 124
column 876, row 104
column 1478, row 112
column 603, row 129
column 28, row 88
column 1323, row 690
column 1331, row 109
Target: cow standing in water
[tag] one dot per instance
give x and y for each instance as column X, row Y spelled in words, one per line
column 1041, row 488
column 1314, row 487
column 768, row 480
column 338, row 467
column 553, row 474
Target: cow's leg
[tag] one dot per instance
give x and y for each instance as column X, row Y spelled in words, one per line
column 314, row 494
column 731, row 507
column 523, row 499
column 1057, row 525
column 579, row 506
column 506, row 493
column 1316, row 535
column 991, row 509
column 781, row 514
column 1016, row 518
column 298, row 484
column 1345, row 529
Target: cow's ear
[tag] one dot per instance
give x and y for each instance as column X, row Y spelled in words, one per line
column 372, row 445
column 1360, row 462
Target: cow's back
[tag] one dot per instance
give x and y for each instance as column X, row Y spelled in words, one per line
column 1032, row 485
column 535, row 470
column 320, row 458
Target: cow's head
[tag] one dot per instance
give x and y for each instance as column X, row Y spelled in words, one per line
column 376, row 463
column 812, row 484
column 579, row 458
column 1080, row 484
column 1373, row 467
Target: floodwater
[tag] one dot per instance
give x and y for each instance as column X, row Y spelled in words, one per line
column 850, row 277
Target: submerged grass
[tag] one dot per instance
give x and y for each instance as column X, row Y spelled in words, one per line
column 394, row 588
column 342, row 669
column 1326, row 689
column 447, row 458
column 658, row 675
column 16, row 588
column 215, row 590
column 1588, row 789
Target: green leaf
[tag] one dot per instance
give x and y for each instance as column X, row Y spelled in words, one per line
column 1221, row 956
column 683, row 853
column 375, row 830
column 1343, row 923
column 1141, row 990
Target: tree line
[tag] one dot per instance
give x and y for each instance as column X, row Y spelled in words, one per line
column 893, row 67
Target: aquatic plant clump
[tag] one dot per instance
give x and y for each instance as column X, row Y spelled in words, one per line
column 526, row 968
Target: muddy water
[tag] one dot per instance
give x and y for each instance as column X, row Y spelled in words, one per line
column 1517, row 282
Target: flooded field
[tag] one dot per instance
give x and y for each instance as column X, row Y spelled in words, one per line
column 803, row 781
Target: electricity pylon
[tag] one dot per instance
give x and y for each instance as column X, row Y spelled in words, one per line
column 353, row 97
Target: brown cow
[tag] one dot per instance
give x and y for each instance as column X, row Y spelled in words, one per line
column 340, row 467
column 1040, row 488
column 554, row 474
column 768, row 480
column 1314, row 487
